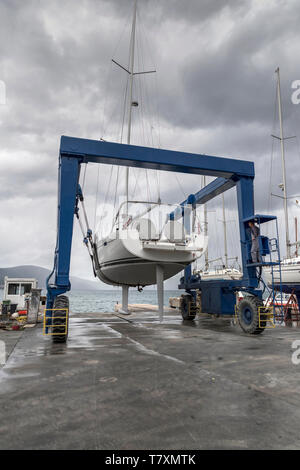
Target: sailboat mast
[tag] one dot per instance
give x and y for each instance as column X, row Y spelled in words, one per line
column 131, row 70
column 285, row 207
column 205, row 226
column 225, row 232
column 296, row 235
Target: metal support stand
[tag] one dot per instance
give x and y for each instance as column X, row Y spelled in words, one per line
column 160, row 290
column 124, row 309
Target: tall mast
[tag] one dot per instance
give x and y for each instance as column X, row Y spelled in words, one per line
column 205, row 226
column 225, row 232
column 296, row 235
column 131, row 71
column 285, row 207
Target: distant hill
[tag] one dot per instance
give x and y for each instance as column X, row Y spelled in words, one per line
column 41, row 275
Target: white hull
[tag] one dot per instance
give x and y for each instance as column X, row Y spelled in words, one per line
column 226, row 274
column 129, row 261
column 290, row 273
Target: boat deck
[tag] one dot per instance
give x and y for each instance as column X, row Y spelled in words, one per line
column 134, row 383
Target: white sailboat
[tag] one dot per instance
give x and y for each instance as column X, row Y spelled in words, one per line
column 138, row 253
column 224, row 271
column 129, row 255
column 290, row 266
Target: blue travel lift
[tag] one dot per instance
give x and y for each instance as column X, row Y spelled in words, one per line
column 217, row 296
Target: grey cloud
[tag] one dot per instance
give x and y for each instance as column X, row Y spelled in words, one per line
column 230, row 84
column 190, row 11
column 215, row 94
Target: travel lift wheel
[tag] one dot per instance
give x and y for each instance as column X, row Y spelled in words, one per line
column 188, row 307
column 248, row 312
column 60, row 319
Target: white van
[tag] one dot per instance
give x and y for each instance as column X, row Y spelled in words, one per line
column 17, row 289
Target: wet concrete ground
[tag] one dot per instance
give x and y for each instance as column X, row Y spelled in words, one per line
column 132, row 383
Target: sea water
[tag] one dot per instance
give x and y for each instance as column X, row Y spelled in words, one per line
column 104, row 300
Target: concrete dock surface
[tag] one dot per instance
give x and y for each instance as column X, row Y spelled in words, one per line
column 130, row 382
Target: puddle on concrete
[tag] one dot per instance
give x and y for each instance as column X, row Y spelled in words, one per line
column 140, row 347
column 7, row 371
column 8, row 378
column 162, row 333
column 85, row 335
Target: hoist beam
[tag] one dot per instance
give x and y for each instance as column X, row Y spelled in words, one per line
column 97, row 151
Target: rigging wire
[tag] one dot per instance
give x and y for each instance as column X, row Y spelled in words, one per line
column 143, row 83
column 145, row 35
column 102, row 127
column 218, row 245
column 155, row 113
column 96, row 199
column 138, row 82
column 298, row 145
column 108, row 79
column 151, row 113
column 136, row 182
column 180, row 186
column 109, row 184
column 124, row 110
column 142, row 86
column 84, row 174
column 116, row 190
column 148, row 187
column 106, row 194
column 109, row 119
column 272, row 153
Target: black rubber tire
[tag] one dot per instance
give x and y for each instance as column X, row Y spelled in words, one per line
column 187, row 305
column 60, row 319
column 248, row 315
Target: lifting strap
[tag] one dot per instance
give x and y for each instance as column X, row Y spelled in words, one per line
column 87, row 234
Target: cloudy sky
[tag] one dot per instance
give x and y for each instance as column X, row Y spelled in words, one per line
column 213, row 93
